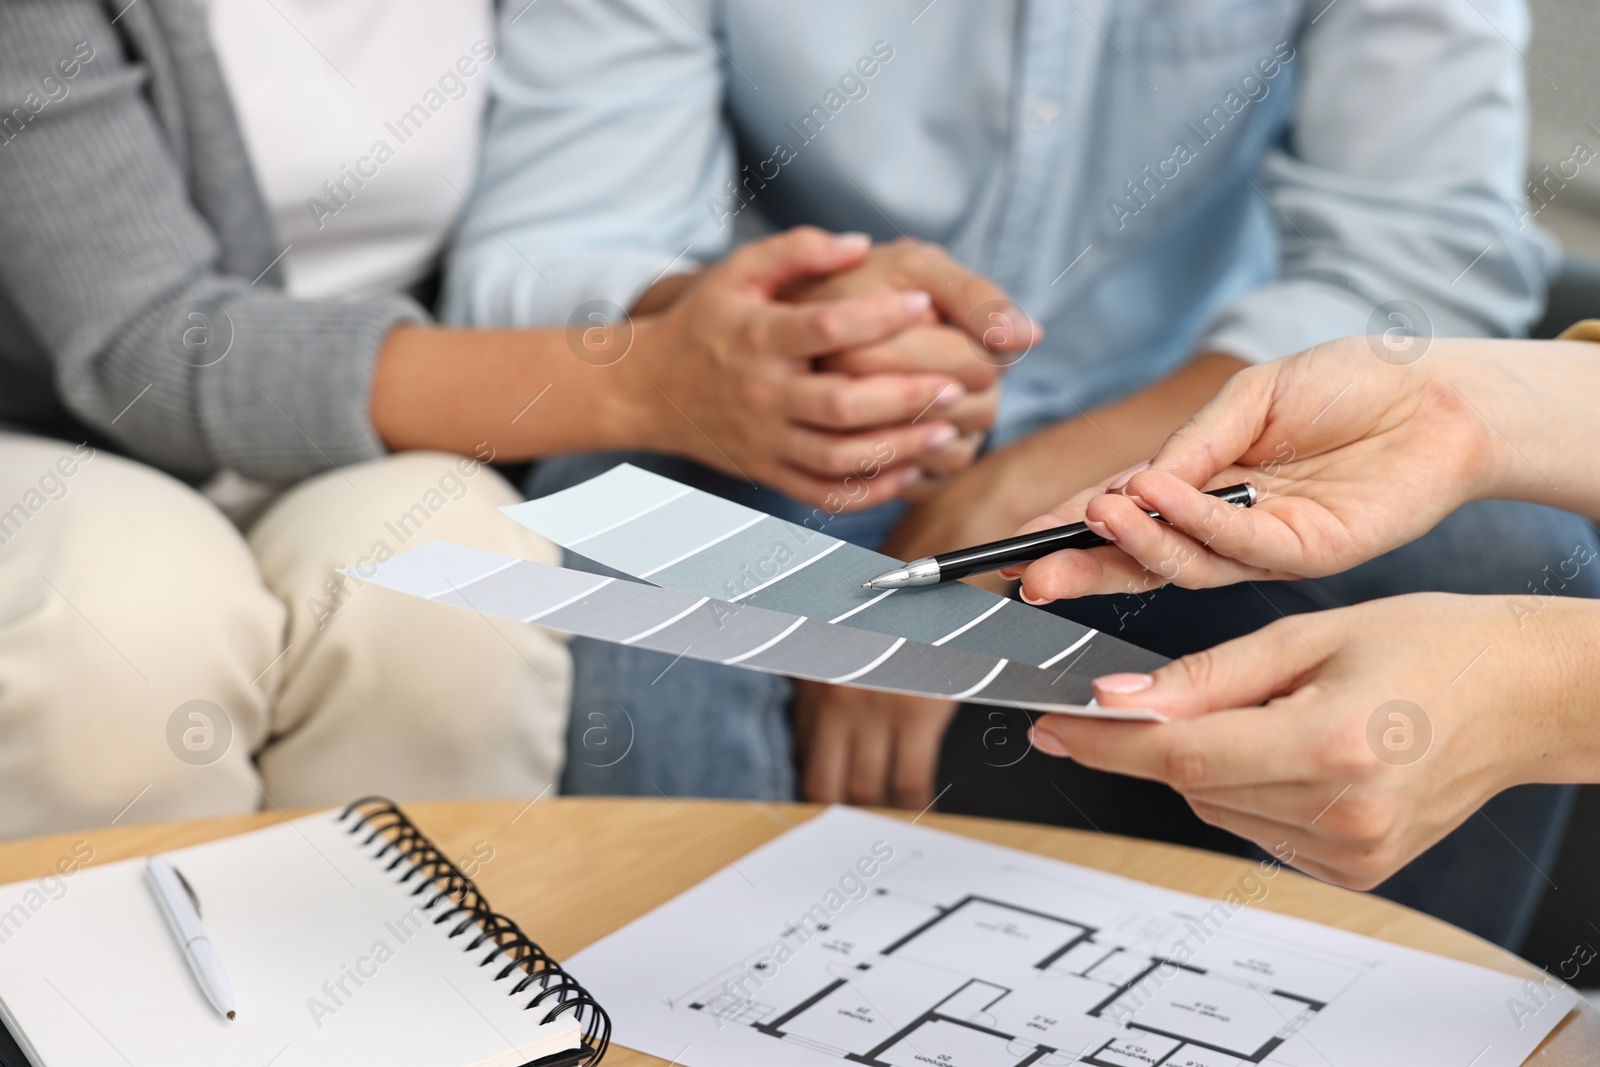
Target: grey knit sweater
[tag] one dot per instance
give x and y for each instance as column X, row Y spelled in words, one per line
column 140, row 300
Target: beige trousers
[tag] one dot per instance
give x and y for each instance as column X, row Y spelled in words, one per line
column 155, row 664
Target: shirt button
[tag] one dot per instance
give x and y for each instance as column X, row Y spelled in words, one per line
column 1045, row 112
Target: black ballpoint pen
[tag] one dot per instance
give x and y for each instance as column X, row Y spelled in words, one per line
column 949, row 566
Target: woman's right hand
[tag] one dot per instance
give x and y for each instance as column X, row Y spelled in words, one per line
column 1352, row 456
column 724, row 376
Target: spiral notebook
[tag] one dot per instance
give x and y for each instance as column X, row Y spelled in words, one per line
column 348, row 938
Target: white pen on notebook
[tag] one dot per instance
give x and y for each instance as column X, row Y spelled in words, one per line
column 182, row 910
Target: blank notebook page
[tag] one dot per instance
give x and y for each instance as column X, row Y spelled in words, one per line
column 331, row 961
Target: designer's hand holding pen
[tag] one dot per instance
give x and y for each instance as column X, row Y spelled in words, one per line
column 1015, row 551
column 182, row 911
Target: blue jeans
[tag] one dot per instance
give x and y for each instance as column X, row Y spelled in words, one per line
column 643, row 724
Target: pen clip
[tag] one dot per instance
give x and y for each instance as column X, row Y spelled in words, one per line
column 189, row 889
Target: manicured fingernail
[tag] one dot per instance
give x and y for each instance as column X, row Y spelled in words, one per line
column 1126, row 476
column 1010, row 573
column 1026, row 599
column 911, row 476
column 942, row 436
column 852, row 242
column 1123, row 684
column 1100, row 529
column 948, row 396
column 916, row 302
column 1021, row 319
column 1047, row 742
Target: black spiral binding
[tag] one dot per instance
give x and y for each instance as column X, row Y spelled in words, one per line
column 556, row 987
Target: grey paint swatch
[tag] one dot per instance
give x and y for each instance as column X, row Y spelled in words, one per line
column 718, row 631
column 672, row 535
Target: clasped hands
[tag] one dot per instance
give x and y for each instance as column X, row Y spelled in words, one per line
column 812, row 362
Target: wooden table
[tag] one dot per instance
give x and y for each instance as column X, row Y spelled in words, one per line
column 575, row 869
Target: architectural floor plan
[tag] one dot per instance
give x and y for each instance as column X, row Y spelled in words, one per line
column 983, row 981
column 858, row 939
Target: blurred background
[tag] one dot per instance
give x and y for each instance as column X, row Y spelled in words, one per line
column 1564, row 89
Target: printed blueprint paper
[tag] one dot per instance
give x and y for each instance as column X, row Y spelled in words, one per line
column 859, row 939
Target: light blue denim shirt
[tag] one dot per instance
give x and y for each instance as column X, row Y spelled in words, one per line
column 1148, row 178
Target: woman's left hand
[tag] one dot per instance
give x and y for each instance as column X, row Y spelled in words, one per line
column 1386, row 725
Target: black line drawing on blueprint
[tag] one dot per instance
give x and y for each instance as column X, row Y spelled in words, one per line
column 981, row 981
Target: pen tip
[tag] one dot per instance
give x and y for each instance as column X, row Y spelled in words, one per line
column 231, row 1015
column 866, row 585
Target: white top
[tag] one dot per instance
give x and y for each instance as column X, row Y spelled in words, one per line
column 363, row 119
